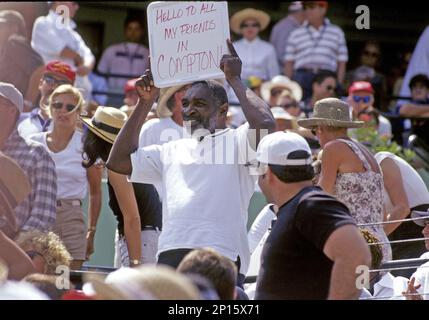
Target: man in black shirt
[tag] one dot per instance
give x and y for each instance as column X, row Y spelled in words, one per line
column 314, row 246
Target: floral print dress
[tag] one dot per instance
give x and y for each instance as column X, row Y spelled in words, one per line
column 362, row 192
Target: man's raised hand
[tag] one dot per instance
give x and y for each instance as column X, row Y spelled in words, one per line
column 146, row 88
column 231, row 64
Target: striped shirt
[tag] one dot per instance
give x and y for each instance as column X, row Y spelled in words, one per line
column 311, row 48
column 38, row 210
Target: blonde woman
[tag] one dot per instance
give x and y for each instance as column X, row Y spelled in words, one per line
column 64, row 144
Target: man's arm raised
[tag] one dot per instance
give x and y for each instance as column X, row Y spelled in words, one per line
column 257, row 112
column 127, row 140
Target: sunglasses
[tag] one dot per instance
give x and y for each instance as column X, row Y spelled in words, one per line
column 52, row 81
column 59, row 106
column 364, row 99
column 314, row 132
column 371, row 54
column 251, row 25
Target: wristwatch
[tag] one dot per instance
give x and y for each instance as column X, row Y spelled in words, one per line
column 134, row 263
column 92, row 228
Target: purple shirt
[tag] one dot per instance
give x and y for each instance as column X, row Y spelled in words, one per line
column 280, row 34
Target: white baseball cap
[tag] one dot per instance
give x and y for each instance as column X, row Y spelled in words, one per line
column 420, row 214
column 276, row 148
column 10, row 92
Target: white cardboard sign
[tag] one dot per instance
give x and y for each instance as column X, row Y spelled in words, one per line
column 186, row 41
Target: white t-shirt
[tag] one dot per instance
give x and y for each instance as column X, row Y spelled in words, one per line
column 72, row 181
column 414, row 186
column 384, row 126
column 30, row 126
column 159, row 131
column 422, row 277
column 388, row 288
column 260, row 226
column 205, row 204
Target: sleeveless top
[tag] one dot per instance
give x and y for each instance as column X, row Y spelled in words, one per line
column 148, row 203
column 362, row 192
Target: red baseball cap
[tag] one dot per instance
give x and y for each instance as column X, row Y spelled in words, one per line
column 130, row 85
column 62, row 69
column 76, row 295
column 360, row 86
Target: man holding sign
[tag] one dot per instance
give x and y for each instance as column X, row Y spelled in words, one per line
column 207, row 177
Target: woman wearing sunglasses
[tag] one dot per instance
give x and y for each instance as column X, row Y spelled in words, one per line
column 64, row 144
column 258, row 57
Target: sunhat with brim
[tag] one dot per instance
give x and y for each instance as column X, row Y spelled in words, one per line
column 331, row 112
column 164, row 95
column 281, row 82
column 149, row 282
column 420, row 214
column 14, row 187
column 249, row 13
column 106, row 122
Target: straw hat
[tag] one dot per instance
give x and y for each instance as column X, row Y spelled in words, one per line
column 330, row 112
column 148, row 282
column 106, row 122
column 281, row 82
column 14, row 186
column 249, row 13
column 164, row 95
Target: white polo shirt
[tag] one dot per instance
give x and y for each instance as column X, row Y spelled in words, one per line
column 205, row 204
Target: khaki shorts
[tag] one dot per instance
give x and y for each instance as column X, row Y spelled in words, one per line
column 70, row 227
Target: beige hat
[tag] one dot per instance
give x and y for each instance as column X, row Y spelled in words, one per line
column 10, row 92
column 164, row 95
column 249, row 13
column 14, row 187
column 281, row 82
column 330, row 112
column 148, row 282
column 106, row 122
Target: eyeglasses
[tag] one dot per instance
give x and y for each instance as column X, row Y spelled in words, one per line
column 251, row 25
column 365, row 99
column 52, row 81
column 314, row 132
column 371, row 53
column 59, row 106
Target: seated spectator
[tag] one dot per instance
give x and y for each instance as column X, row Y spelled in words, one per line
column 418, row 106
column 323, row 86
column 15, row 187
column 271, row 90
column 98, row 83
column 60, row 41
column 37, row 211
column 290, row 105
column 131, row 97
column 284, row 121
column 46, row 284
column 55, row 73
column 418, row 286
column 361, row 99
column 20, row 65
column 258, row 56
column 64, row 144
column 221, row 271
column 45, row 249
column 129, row 58
column 369, row 63
column 382, row 285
